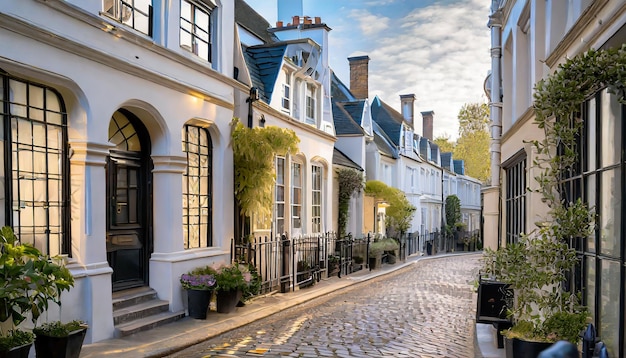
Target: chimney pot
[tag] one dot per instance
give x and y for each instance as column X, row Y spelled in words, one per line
column 279, row 24
column 296, row 20
column 318, row 20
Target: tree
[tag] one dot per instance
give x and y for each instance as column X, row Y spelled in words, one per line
column 400, row 211
column 453, row 213
column 474, row 140
column 445, row 144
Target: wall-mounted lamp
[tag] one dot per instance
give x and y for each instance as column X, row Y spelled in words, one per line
column 262, row 121
column 254, row 96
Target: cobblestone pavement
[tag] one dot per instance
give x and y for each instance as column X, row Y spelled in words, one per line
column 424, row 310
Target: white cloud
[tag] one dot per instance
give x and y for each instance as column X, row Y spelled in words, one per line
column 369, row 23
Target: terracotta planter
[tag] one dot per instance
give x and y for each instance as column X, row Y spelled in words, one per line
column 227, row 300
column 198, row 303
column 17, row 352
column 60, row 347
column 518, row 348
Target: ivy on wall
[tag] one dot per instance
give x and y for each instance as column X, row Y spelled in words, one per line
column 350, row 183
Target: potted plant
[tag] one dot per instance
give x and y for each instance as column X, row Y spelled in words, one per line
column 16, row 344
column 31, row 281
column 59, row 340
column 254, row 282
column 231, row 280
column 199, row 284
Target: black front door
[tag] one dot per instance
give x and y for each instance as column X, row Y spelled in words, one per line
column 128, row 187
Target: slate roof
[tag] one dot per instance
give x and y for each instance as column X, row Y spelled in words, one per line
column 446, row 161
column 347, row 116
column 383, row 142
column 339, row 91
column 341, row 159
column 389, row 120
column 264, row 65
column 459, row 166
column 424, row 148
column 249, row 19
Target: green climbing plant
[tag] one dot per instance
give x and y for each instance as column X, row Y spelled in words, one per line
column 254, row 150
column 400, row 211
column 350, row 183
column 537, row 266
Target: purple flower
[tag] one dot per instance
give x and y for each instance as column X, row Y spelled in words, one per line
column 197, row 282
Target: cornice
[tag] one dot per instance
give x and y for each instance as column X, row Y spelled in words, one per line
column 262, row 106
column 588, row 16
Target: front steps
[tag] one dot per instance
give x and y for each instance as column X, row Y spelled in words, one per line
column 139, row 309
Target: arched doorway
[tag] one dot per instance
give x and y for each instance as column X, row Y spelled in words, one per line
column 129, row 191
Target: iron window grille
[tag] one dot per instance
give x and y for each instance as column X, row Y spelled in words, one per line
column 515, row 201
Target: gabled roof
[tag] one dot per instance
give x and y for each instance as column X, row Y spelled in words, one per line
column 264, row 64
column 389, row 120
column 249, row 19
column 339, row 91
column 341, row 159
column 347, row 116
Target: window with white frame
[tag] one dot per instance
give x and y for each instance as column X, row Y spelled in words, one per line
column 136, row 14
column 310, row 104
column 279, row 202
column 197, row 188
column 317, row 173
column 195, row 28
column 296, row 198
column 35, row 183
column 286, row 95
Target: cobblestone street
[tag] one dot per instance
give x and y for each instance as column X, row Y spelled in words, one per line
column 424, row 310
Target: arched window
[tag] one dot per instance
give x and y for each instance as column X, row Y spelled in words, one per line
column 36, row 167
column 197, row 188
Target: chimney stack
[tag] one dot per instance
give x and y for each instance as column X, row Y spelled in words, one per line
column 359, row 67
column 427, row 118
column 407, row 102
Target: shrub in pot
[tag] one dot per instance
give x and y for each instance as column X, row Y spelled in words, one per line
column 60, row 340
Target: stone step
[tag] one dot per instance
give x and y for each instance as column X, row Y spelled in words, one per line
column 139, row 310
column 146, row 323
column 133, row 296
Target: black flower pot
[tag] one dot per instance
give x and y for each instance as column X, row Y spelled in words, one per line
column 519, row 348
column 60, row 347
column 198, row 303
column 17, row 352
column 227, row 300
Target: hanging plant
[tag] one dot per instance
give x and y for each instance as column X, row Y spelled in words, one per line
column 350, row 183
column 254, row 151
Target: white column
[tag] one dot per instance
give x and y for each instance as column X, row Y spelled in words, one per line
column 89, row 264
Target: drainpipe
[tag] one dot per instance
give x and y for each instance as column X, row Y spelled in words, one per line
column 495, row 100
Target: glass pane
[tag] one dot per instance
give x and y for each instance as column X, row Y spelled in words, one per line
column 143, row 5
column 17, row 92
column 590, row 197
column 611, row 124
column 35, row 96
column 54, row 189
column 203, row 50
column 134, row 144
column 142, row 23
column 185, row 10
column 24, row 132
column 52, row 101
column 132, row 205
column 39, row 163
column 53, row 135
column 610, row 212
column 297, row 196
column 609, row 304
column 280, row 193
column 591, row 135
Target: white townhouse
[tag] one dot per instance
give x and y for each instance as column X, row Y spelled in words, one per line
column 287, row 69
column 116, row 136
column 529, row 40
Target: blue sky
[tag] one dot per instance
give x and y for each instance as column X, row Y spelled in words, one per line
column 436, row 49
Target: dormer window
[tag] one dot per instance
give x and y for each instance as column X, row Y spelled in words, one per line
column 286, row 99
column 310, row 104
column 133, row 13
column 195, row 28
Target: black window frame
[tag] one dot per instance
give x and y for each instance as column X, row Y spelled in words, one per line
column 515, row 200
